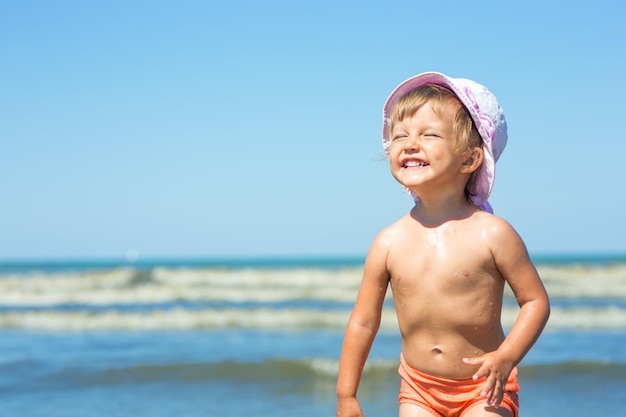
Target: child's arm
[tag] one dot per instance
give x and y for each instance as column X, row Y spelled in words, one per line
column 514, row 264
column 362, row 328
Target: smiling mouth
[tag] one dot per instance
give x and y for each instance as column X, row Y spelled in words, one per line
column 413, row 164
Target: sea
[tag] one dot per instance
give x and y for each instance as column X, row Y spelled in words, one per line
column 262, row 337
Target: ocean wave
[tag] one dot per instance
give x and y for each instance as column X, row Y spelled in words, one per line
column 583, row 280
column 128, row 286
column 261, row 285
column 265, row 318
column 278, row 369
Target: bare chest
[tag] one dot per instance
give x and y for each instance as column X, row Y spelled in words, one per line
column 433, row 263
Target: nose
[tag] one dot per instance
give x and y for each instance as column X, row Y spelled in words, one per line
column 412, row 143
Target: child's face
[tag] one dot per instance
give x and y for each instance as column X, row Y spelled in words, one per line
column 424, row 150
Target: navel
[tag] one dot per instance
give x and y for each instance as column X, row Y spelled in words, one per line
column 436, row 351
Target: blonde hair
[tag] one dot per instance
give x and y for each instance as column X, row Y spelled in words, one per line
column 440, row 98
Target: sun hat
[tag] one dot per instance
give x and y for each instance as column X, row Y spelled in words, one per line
column 488, row 117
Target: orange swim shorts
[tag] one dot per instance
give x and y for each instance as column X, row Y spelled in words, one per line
column 449, row 397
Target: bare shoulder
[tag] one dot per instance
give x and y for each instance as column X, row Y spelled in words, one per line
column 384, row 243
column 386, row 238
column 507, row 247
column 496, row 230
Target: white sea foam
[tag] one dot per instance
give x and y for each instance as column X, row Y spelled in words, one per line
column 127, row 286
column 574, row 281
column 263, row 318
column 161, row 285
column 128, row 298
column 174, row 319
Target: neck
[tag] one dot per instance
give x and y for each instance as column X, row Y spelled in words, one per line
column 433, row 213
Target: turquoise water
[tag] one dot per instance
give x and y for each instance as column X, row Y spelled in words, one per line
column 263, row 337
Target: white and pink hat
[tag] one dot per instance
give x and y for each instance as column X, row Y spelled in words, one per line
column 488, row 117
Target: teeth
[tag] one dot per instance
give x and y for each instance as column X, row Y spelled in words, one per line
column 414, row 164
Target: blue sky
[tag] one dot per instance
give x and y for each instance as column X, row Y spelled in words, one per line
column 245, row 128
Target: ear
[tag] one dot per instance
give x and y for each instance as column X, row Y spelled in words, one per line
column 473, row 161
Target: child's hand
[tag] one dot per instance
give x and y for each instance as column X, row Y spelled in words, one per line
column 496, row 370
column 349, row 407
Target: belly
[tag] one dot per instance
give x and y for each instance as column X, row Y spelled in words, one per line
column 440, row 351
